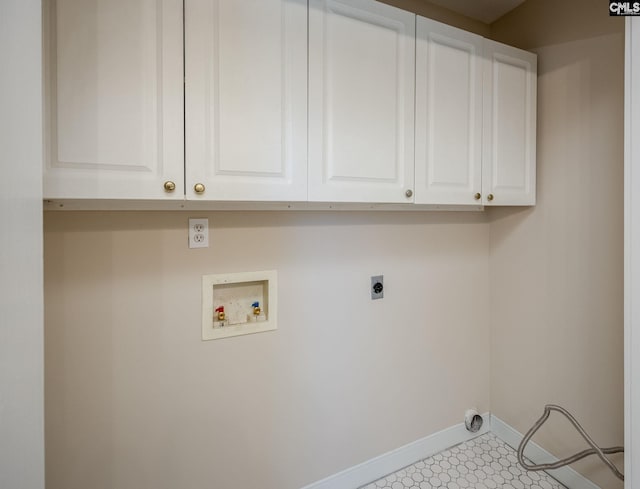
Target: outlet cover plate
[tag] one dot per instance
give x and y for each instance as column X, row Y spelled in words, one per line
column 198, row 233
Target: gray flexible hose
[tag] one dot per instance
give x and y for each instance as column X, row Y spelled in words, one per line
column 595, row 450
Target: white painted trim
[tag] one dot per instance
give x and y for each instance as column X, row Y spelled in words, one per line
column 631, row 258
column 22, row 463
column 537, row 454
column 395, row 460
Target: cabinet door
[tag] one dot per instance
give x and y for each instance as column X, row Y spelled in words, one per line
column 246, row 99
column 509, row 141
column 361, row 101
column 114, row 99
column 448, row 114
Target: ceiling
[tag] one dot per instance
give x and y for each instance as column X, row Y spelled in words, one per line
column 486, row 11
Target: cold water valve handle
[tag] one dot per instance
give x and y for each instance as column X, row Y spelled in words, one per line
column 256, row 308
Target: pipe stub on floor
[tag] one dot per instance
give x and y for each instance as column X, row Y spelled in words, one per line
column 472, row 421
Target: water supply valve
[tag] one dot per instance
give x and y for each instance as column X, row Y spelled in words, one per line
column 221, row 314
column 220, row 318
column 258, row 313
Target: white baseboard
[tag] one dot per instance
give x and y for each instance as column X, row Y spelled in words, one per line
column 395, row 460
column 390, row 462
column 537, row 454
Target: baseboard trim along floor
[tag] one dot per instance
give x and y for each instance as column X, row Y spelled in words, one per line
column 389, row 462
column 378, row 467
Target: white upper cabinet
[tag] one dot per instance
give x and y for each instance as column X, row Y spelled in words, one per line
column 114, row 92
column 361, row 102
column 246, row 100
column 509, row 142
column 348, row 101
column 449, row 68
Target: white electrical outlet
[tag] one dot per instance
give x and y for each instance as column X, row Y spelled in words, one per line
column 198, row 233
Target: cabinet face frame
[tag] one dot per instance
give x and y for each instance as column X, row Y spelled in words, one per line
column 509, row 140
column 449, row 71
column 356, row 102
column 113, row 110
column 246, row 100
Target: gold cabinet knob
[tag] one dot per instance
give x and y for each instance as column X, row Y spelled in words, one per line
column 490, row 197
column 477, row 196
column 169, row 186
column 199, row 188
column 409, row 193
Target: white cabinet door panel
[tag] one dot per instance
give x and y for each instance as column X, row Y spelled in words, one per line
column 510, row 78
column 246, row 99
column 114, row 96
column 448, row 114
column 361, row 101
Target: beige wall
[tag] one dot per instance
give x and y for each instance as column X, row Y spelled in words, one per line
column 441, row 14
column 538, row 23
column 135, row 399
column 557, row 269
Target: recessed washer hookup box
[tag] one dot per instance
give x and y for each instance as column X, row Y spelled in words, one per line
column 236, row 304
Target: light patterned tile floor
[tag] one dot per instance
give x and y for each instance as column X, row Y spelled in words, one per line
column 485, row 462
